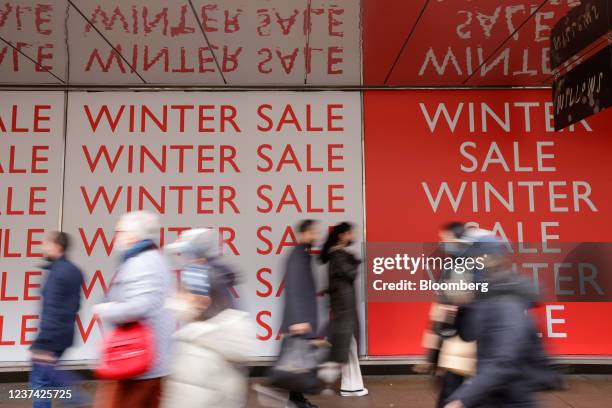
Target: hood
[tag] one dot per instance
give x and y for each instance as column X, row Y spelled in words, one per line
column 228, row 334
column 511, row 284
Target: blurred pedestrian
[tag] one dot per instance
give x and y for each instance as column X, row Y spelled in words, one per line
column 300, row 308
column 504, row 332
column 344, row 319
column 198, row 254
column 61, row 300
column 212, row 346
column 137, row 293
column 449, row 357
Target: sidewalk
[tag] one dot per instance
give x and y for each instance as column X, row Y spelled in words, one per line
column 586, row 391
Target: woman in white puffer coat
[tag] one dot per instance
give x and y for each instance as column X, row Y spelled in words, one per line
column 208, row 368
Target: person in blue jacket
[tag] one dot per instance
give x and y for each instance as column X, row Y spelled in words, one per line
column 504, row 332
column 61, row 300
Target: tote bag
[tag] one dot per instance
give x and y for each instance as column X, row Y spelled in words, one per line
column 296, row 367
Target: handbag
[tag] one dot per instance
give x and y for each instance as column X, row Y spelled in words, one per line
column 296, row 367
column 127, row 352
column 458, row 356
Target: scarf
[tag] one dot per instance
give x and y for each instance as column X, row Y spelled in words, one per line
column 137, row 249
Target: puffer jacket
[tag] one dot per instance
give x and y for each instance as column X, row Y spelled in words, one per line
column 207, row 368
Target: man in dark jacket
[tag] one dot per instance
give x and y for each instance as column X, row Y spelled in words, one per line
column 61, row 299
column 504, row 333
column 505, row 339
column 300, row 314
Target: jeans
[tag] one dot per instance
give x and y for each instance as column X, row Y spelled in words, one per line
column 46, row 376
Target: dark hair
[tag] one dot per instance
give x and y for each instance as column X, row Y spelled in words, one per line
column 305, row 225
column 60, row 238
column 454, row 227
column 332, row 239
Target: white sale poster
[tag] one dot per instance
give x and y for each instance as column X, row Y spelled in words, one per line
column 248, row 164
column 31, row 157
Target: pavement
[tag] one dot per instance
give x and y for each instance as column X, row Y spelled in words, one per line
column 411, row 391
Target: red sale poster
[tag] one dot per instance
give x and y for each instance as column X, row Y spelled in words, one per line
column 493, row 159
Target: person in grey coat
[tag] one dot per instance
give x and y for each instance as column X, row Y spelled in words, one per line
column 138, row 293
column 300, row 309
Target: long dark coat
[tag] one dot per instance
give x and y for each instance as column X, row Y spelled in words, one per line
column 344, row 321
column 300, row 292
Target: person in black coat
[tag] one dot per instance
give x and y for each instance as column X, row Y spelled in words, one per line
column 300, row 308
column 61, row 299
column 344, row 320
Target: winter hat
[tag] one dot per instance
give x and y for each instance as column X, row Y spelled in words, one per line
column 197, row 243
column 483, row 242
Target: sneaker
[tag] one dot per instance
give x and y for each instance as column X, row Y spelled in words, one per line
column 357, row 393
